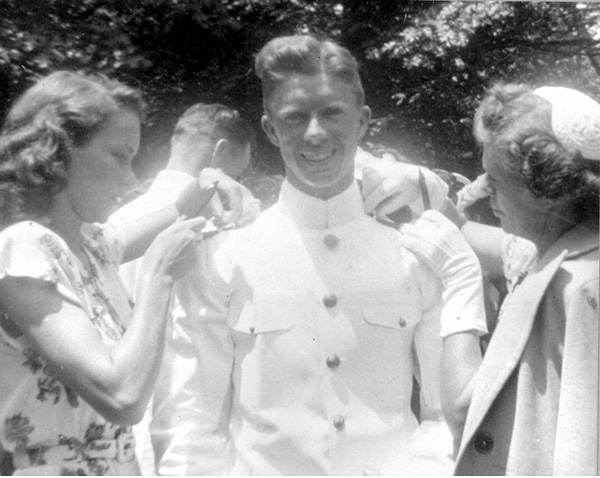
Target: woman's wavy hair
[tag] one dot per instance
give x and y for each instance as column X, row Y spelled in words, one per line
column 514, row 118
column 60, row 111
column 308, row 55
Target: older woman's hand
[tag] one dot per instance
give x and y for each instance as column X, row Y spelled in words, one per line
column 473, row 192
column 387, row 187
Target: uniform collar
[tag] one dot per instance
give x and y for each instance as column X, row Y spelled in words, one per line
column 315, row 213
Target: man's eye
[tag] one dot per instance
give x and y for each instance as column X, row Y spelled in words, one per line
column 333, row 112
column 294, row 119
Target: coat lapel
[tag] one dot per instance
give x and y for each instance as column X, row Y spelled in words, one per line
column 509, row 340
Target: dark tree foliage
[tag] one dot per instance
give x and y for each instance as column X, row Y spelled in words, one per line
column 446, row 56
column 425, row 64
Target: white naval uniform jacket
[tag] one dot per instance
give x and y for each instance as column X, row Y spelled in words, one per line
column 297, row 345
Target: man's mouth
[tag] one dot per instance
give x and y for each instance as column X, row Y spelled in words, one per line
column 317, row 157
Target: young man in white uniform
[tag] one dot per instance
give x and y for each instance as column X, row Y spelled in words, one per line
column 303, row 331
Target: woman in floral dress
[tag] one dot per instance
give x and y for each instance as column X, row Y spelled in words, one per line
column 77, row 361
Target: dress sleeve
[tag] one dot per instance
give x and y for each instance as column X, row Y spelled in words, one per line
column 28, row 249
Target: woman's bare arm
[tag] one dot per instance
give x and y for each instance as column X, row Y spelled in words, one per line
column 116, row 381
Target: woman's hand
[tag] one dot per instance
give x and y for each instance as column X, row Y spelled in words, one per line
column 233, row 204
column 388, row 187
column 174, row 249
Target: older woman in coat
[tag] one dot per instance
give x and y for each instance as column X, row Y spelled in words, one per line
column 531, row 406
column 534, row 408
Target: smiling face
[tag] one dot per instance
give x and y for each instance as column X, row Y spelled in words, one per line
column 519, row 211
column 316, row 122
column 100, row 169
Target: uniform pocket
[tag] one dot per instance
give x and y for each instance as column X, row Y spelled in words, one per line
column 391, row 313
column 268, row 312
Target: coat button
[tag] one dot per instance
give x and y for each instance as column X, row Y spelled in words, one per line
column 331, row 241
column 401, row 322
column 330, row 300
column 339, row 422
column 483, row 443
column 333, row 361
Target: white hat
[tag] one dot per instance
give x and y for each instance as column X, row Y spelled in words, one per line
column 575, row 119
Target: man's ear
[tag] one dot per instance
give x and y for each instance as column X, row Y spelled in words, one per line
column 268, row 127
column 220, row 152
column 365, row 117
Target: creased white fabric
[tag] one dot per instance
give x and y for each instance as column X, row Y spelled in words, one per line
column 246, row 387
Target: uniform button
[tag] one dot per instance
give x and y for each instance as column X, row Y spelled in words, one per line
column 339, row 422
column 330, row 300
column 252, row 329
column 333, row 361
column 331, row 241
column 483, row 443
column 401, row 322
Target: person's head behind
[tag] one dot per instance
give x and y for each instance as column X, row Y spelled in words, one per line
column 533, row 172
column 314, row 110
column 222, row 137
column 58, row 114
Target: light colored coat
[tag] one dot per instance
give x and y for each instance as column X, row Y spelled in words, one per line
column 535, row 406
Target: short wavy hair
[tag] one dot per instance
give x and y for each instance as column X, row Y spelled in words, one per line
column 514, row 118
column 60, row 111
column 215, row 121
column 308, row 55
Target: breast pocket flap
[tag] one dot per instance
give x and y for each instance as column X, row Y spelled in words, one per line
column 268, row 313
column 392, row 315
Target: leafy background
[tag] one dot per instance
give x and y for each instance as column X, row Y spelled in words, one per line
column 425, row 64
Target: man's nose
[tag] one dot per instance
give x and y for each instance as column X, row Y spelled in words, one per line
column 314, row 130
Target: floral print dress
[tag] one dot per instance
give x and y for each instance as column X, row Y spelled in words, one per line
column 37, row 411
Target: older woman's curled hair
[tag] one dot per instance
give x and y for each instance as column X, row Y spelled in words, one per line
column 59, row 112
column 555, row 161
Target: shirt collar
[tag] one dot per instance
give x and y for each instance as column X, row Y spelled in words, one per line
column 315, row 213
